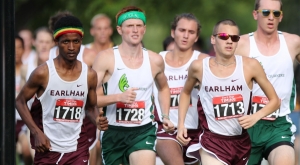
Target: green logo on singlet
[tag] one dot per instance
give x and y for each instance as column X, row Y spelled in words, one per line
column 123, row 83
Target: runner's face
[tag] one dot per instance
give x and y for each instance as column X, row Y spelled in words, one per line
column 225, row 47
column 102, row 30
column 185, row 34
column 27, row 37
column 69, row 46
column 269, row 23
column 132, row 31
column 19, row 50
column 43, row 42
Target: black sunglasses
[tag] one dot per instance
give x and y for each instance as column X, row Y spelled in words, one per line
column 266, row 12
column 225, row 36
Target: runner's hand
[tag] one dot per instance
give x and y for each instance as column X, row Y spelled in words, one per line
column 168, row 125
column 182, row 136
column 42, row 143
column 248, row 121
column 128, row 97
column 102, row 122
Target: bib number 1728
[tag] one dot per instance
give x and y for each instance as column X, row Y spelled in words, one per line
column 130, row 113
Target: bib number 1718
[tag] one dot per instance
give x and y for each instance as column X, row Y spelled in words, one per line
column 68, row 110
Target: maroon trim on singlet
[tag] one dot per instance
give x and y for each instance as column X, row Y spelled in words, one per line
column 250, row 104
column 91, row 131
column 36, row 114
column 200, row 112
column 202, row 116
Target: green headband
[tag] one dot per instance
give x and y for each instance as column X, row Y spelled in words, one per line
column 131, row 15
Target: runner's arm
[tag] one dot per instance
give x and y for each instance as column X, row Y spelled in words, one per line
column 185, row 94
column 101, row 66
column 184, row 101
column 37, row 82
column 158, row 67
column 94, row 113
column 260, row 77
column 30, row 88
column 163, row 88
column 90, row 107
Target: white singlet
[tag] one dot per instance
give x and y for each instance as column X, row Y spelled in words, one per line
column 224, row 100
column 63, row 105
column 176, row 79
column 141, row 111
column 279, row 71
column 32, row 55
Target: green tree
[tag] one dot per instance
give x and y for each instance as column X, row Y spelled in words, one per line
column 35, row 13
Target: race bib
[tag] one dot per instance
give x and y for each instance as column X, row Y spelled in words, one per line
column 175, row 96
column 130, row 113
column 258, row 103
column 68, row 110
column 227, row 107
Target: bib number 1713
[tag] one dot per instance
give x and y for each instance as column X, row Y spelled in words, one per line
column 227, row 107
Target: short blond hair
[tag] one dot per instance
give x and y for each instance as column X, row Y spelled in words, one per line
column 99, row 16
column 257, row 4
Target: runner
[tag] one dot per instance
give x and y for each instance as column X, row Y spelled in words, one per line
column 127, row 73
column 225, row 93
column 273, row 136
column 101, row 31
column 63, row 88
column 87, row 56
column 185, row 30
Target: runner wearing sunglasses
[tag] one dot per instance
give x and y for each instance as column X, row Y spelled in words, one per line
column 225, row 93
column 276, row 51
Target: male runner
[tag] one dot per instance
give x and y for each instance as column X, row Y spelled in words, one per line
column 273, row 136
column 101, row 30
column 127, row 73
column 185, row 30
column 87, row 56
column 64, row 87
column 29, row 52
column 225, row 93
column 43, row 42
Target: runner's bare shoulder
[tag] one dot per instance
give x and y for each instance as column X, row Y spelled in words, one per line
column 104, row 57
column 40, row 75
column 243, row 47
column 202, row 56
column 155, row 58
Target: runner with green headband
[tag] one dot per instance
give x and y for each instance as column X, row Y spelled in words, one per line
column 127, row 73
column 131, row 15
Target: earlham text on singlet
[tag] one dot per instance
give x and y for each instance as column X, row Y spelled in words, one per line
column 176, row 77
column 66, row 93
column 226, row 88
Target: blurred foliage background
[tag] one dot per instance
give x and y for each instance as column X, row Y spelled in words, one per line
column 32, row 14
